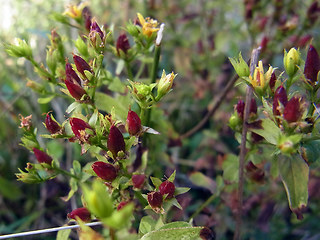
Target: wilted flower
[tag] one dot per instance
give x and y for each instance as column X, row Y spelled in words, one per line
column 149, row 25
column 75, row 11
column 25, row 122
column 155, row 200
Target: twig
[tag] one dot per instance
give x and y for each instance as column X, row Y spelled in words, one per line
column 48, row 230
column 253, row 63
column 214, row 108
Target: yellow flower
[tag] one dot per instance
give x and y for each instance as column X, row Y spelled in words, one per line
column 260, row 80
column 75, row 11
column 149, row 25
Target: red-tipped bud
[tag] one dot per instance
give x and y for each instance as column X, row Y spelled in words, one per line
column 272, row 81
column 123, row 44
column 106, row 171
column 78, row 126
column 74, row 89
column 312, row 65
column 86, row 13
column 71, row 74
column 138, row 180
column 81, row 213
column 95, row 28
column 121, row 205
column 51, row 125
column 293, row 111
column 115, row 141
column 167, row 187
column 41, row 156
column 280, row 96
column 133, row 123
column 81, row 65
column 155, row 199
column 241, row 105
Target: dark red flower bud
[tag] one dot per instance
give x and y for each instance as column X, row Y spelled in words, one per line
column 95, row 28
column 250, row 167
column 121, row 205
column 81, row 213
column 312, row 65
column 41, row 156
column 51, row 125
column 123, row 44
column 78, row 125
column 138, row 180
column 241, row 105
column 133, row 123
column 74, row 89
column 304, row 40
column 313, row 12
column 86, row 13
column 280, row 96
column 115, row 141
column 155, row 199
column 167, row 187
column 272, row 81
column 71, row 74
column 81, row 65
column 293, row 111
column 106, row 171
column 264, row 43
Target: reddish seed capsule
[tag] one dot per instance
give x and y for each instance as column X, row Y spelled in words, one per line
column 81, row 213
column 115, row 141
column 51, row 125
column 138, row 180
column 272, row 81
column 133, row 123
column 241, row 105
column 41, row 156
column 312, row 65
column 81, row 65
column 167, row 187
column 292, row 111
column 106, row 171
column 71, row 74
column 280, row 96
column 122, row 44
column 95, row 28
column 155, row 199
column 78, row 125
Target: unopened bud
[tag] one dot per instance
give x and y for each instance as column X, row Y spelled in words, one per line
column 78, row 126
column 133, row 123
column 312, row 65
column 41, row 156
column 155, row 199
column 106, row 171
column 138, row 180
column 115, row 141
column 51, row 124
column 290, row 61
column 81, row 65
column 280, row 96
column 81, row 213
column 165, row 84
column 293, row 110
column 122, row 44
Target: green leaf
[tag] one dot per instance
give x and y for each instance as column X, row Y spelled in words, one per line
column 311, row 151
column 72, row 106
column 181, row 190
column 174, row 234
column 106, row 103
column 199, row 179
column 77, row 167
column 178, row 224
column 45, row 100
column 9, row 189
column 63, row 234
column 172, row 176
column 147, row 224
column 156, row 182
column 269, row 131
column 294, row 173
column 120, row 218
column 231, row 168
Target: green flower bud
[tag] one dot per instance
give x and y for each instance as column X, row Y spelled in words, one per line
column 98, row 200
column 22, row 49
column 82, row 47
column 133, row 29
column 289, row 144
column 52, row 59
column 240, row 66
column 165, row 84
column 291, row 60
column 37, row 87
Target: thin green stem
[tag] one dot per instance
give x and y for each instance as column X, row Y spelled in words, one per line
column 205, row 204
column 129, row 71
column 59, row 170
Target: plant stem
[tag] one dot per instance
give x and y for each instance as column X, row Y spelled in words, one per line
column 253, row 63
column 206, row 203
column 66, row 173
